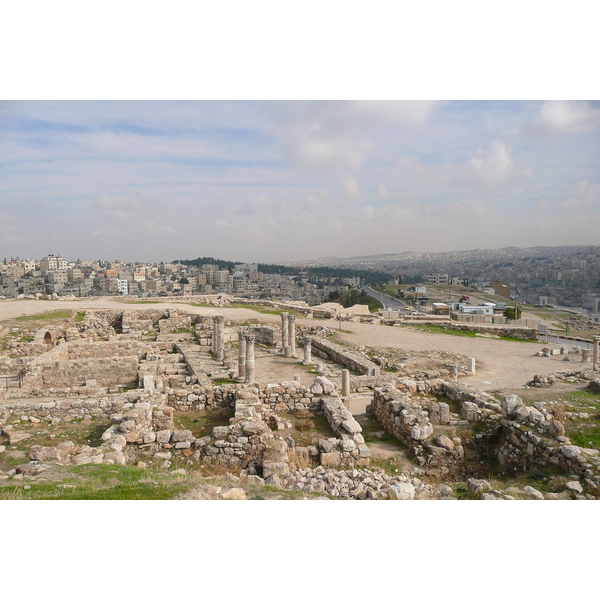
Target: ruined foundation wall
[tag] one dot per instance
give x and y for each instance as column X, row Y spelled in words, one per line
column 68, row 410
column 345, row 357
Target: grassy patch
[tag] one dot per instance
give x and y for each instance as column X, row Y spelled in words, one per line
column 202, row 422
column 389, row 465
column 85, row 432
column 307, row 427
column 472, row 334
column 104, row 482
column 48, row 316
column 183, row 330
column 223, row 381
column 79, row 317
column 371, row 427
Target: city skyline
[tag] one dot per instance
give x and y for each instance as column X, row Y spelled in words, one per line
column 283, row 181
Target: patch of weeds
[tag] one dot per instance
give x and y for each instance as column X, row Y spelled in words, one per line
column 389, row 465
column 223, row 381
column 307, row 427
column 105, row 482
column 183, row 330
column 79, row 317
column 56, row 314
column 202, row 422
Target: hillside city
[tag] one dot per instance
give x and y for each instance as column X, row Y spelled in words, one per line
column 561, row 276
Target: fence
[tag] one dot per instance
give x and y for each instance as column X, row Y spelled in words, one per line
column 493, row 320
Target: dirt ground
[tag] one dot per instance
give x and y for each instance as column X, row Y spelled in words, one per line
column 500, row 365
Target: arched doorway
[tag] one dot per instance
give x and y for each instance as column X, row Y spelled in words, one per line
column 48, row 338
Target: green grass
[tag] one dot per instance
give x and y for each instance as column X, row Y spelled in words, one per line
column 202, row 422
column 371, row 427
column 306, row 431
column 223, row 381
column 104, row 482
column 389, row 465
column 47, row 316
column 472, row 334
column 83, row 432
column 183, row 330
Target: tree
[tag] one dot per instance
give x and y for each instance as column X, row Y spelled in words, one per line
column 512, row 313
column 183, row 280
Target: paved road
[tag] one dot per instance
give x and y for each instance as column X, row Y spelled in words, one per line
column 387, row 301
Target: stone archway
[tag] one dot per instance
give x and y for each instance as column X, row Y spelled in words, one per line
column 48, row 339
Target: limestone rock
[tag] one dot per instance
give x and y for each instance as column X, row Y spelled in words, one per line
column 421, row 432
column 445, row 442
column 509, row 405
column 275, row 468
column 570, row 451
column 574, row 486
column 477, row 486
column 531, row 492
column 402, row 491
column 234, row 494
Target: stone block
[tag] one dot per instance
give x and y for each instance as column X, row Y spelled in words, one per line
column 164, row 436
column 275, row 468
column 509, row 405
column 402, row 491
column 331, row 459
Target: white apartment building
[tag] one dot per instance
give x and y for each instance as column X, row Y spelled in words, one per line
column 53, row 263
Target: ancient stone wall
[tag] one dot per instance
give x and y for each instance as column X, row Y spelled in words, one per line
column 287, row 396
column 68, row 410
column 524, row 333
column 344, row 357
column 413, row 421
column 265, row 335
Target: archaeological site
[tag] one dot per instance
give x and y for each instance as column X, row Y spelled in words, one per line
column 274, row 401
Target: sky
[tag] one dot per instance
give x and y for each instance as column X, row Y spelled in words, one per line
column 278, row 181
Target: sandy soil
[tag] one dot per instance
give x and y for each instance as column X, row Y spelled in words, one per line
column 501, row 365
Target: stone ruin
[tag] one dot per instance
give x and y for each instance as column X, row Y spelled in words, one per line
column 138, row 368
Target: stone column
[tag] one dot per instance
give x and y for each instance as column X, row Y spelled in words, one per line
column 292, row 334
column 596, row 339
column 345, row 382
column 307, row 351
column 585, row 355
column 218, row 346
column 453, row 368
column 471, row 365
column 241, row 355
column 284, row 334
column 249, row 376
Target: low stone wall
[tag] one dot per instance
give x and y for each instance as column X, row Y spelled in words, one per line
column 344, row 357
column 412, row 421
column 73, row 373
column 524, row 333
column 594, row 385
column 350, row 449
column 67, row 410
column 78, row 351
column 286, row 396
column 266, row 335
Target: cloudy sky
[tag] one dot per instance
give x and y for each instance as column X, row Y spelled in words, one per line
column 278, row 181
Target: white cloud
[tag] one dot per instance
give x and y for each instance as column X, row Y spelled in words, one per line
column 584, row 194
column 118, row 207
column 330, row 137
column 351, row 189
column 564, row 116
column 491, row 166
